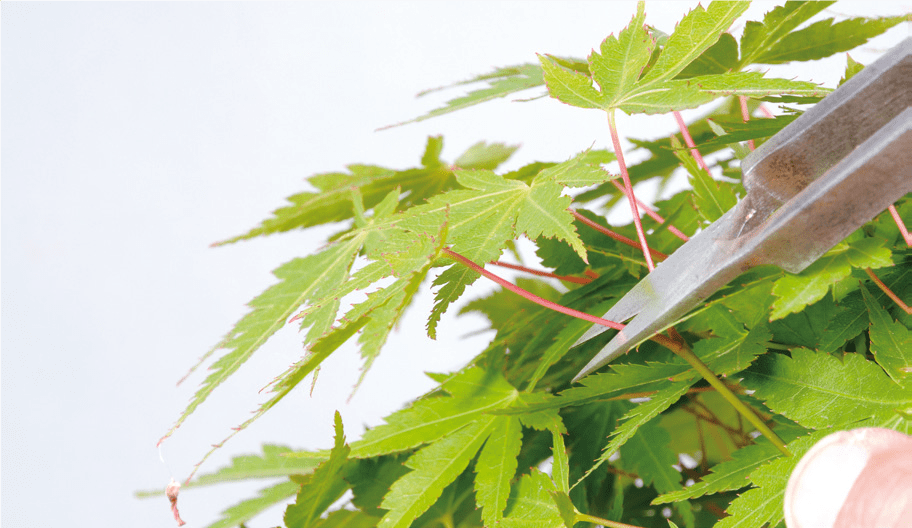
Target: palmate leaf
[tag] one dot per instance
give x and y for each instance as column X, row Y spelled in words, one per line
column 819, row 391
column 623, row 84
column 891, row 342
column 531, row 504
column 472, row 393
column 332, row 202
column 794, row 292
column 759, row 506
column 300, row 279
column 435, row 467
column 491, row 211
column 323, row 487
column 731, row 474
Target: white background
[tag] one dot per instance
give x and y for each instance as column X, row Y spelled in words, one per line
column 135, row 134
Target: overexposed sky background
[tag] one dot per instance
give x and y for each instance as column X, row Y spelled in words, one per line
column 135, row 134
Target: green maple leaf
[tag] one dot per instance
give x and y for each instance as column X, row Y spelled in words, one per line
column 710, row 197
column 472, row 393
column 628, row 82
column 760, row 37
column 819, row 391
column 347, row 519
column 332, row 202
column 763, row 504
column 794, row 292
column 500, row 83
column 273, row 463
column 435, row 466
column 824, row 38
column 300, row 279
column 531, row 504
column 482, row 218
column 729, row 475
column 640, row 415
column 495, row 468
column 247, row 509
column 648, row 456
column 891, row 342
column 852, row 67
column 323, row 487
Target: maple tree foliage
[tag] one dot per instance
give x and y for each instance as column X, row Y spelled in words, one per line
column 509, row 440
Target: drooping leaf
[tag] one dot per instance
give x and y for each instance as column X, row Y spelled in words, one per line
column 818, row 390
column 247, row 509
column 753, row 129
column 891, row 342
column 824, row 38
column 794, row 292
column 300, row 279
column 323, row 487
column 495, row 468
column 435, row 466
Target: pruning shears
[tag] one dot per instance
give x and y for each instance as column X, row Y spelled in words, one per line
column 808, row 187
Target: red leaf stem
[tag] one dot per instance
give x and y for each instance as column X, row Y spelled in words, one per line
column 619, row 153
column 745, row 115
column 617, row 236
column 568, row 278
column 880, row 284
column 689, row 141
column 901, row 225
column 531, row 296
column 654, row 215
column 766, row 111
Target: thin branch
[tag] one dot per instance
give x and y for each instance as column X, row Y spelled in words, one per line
column 901, row 225
column 568, row 278
column 745, row 115
column 690, row 142
column 531, row 296
column 880, row 284
column 675, row 343
column 617, row 236
column 616, row 140
column 684, row 351
column 654, row 215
